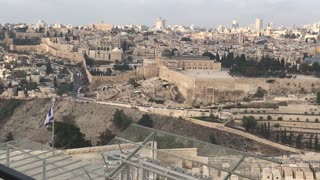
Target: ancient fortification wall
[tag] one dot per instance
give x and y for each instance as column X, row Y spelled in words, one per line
column 186, row 84
column 49, row 47
column 205, row 91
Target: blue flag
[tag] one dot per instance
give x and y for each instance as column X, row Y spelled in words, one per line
column 49, row 118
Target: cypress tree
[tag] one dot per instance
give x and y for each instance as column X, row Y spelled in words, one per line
column 310, row 141
column 316, row 145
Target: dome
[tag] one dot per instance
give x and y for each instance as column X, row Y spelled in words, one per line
column 318, row 50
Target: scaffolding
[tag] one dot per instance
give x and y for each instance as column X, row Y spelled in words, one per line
column 156, row 154
column 138, row 153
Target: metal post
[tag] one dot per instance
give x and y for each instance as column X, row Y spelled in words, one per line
column 8, row 155
column 52, row 138
column 44, row 169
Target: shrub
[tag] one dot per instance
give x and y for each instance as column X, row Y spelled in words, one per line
column 133, row 82
column 146, row 121
column 280, row 119
column 9, row 137
column 8, row 108
column 121, row 120
column 269, row 118
column 249, row 123
column 105, row 137
column 212, row 139
column 68, row 136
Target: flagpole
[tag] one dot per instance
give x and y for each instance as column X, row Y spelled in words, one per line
column 52, row 138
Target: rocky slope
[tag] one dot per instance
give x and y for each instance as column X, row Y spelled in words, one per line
column 27, row 122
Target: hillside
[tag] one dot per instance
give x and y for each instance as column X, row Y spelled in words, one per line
column 27, row 122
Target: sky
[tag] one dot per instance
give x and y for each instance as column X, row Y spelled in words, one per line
column 202, row 13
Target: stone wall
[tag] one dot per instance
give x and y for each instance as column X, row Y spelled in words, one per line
column 206, row 91
column 49, row 47
column 186, row 84
column 27, row 48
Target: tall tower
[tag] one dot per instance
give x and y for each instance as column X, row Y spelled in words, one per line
column 259, row 24
column 160, row 23
column 235, row 24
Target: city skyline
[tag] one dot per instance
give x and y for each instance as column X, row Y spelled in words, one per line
column 205, row 13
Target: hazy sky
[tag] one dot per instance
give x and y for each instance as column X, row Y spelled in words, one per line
column 207, row 13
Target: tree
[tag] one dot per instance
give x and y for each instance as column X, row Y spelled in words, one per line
column 290, row 138
column 218, row 57
column 316, row 143
column 318, row 97
column 69, row 136
column 209, row 54
column 121, row 120
column 212, row 139
column 167, row 53
column 249, row 123
column 9, row 137
column 49, row 69
column 310, row 141
column 269, row 118
column 299, row 140
column 146, row 121
column 55, row 84
column 105, row 137
column 133, row 82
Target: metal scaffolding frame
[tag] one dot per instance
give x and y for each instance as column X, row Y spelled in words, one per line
column 134, row 155
column 44, row 162
column 229, row 172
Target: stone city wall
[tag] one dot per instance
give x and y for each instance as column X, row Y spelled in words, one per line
column 186, row 84
column 27, row 48
column 45, row 47
column 233, row 89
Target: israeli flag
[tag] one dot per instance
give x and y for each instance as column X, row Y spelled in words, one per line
column 49, row 118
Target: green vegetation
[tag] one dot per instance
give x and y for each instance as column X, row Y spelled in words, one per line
column 33, row 41
column 266, row 67
column 9, row 137
column 157, row 101
column 49, row 69
column 318, row 97
column 186, row 39
column 68, row 136
column 105, row 137
column 122, row 67
column 8, row 107
column 212, row 139
column 169, row 142
column 133, row 82
column 249, row 123
column 28, row 85
column 64, row 88
column 121, row 120
column 264, row 129
column 260, row 93
column 209, row 54
column 146, row 121
column 19, row 74
column 167, row 53
column 209, row 119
